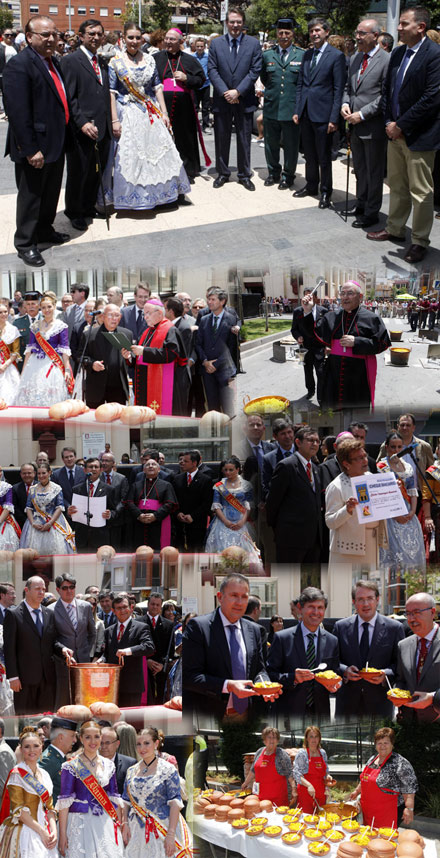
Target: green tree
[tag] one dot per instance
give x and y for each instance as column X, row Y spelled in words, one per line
column 161, row 11
column 6, row 17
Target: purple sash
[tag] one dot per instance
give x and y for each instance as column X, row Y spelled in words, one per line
column 165, row 525
column 370, row 364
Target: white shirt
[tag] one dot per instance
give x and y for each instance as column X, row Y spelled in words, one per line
column 371, row 625
column 414, row 50
column 319, row 54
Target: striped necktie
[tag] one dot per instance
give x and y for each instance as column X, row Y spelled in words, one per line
column 72, row 615
column 311, row 663
column 238, row 668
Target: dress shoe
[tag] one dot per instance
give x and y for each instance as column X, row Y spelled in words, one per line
column 79, row 223
column 31, row 257
column 310, row 394
column 304, row 192
column 383, row 235
column 415, row 253
column 364, row 220
column 54, row 238
column 247, row 184
column 270, row 181
column 220, row 181
column 351, row 212
column 285, row 185
column 325, row 201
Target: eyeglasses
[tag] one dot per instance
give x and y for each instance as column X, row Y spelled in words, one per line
column 415, row 614
column 347, row 294
column 46, row 34
column 362, row 32
column 107, row 744
column 68, row 587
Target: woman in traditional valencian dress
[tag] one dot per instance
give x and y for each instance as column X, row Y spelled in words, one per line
column 29, row 828
column 46, row 377
column 232, row 502
column 147, row 168
column 152, row 791
column 9, row 354
column 9, row 529
column 89, row 805
column 47, row 530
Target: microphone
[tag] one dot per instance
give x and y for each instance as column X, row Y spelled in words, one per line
column 406, row 450
column 94, row 313
column 319, row 282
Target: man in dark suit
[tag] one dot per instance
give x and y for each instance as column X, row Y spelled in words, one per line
column 253, row 614
column 30, row 641
column 38, row 113
column 126, row 643
column 107, row 376
column 20, row 491
column 318, row 102
column 214, row 344
column 252, row 447
column 7, row 599
column 162, row 633
column 362, row 109
column 75, row 313
column 75, row 628
column 222, row 655
column 69, row 475
column 294, row 654
column 418, row 661
column 315, row 354
column 366, row 637
column 62, row 737
column 234, row 64
column 412, row 120
column 105, row 613
column 293, row 504
column 120, row 488
column 109, row 748
column 87, row 84
column 88, row 539
column 23, row 323
column 194, row 496
column 283, row 432
column 132, row 317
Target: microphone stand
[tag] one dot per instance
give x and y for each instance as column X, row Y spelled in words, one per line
column 168, row 657
column 88, row 514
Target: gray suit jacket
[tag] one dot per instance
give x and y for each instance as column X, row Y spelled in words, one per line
column 80, row 640
column 364, row 92
column 407, row 674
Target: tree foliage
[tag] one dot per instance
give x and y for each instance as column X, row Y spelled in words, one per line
column 342, row 15
column 6, row 17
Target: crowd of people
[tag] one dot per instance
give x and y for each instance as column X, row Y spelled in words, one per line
column 71, row 788
column 178, row 356
column 138, row 93
column 402, row 653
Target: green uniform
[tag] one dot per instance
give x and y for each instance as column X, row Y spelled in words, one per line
column 22, row 323
column 280, row 77
column 51, row 761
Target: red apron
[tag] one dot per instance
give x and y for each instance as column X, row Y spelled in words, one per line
column 375, row 802
column 315, row 776
column 272, row 785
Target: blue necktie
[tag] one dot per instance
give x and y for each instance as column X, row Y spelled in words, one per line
column 395, row 109
column 72, row 615
column 234, row 48
column 38, row 621
column 238, row 668
column 259, row 456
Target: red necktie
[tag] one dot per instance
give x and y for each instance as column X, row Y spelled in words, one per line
column 121, row 631
column 188, row 479
column 96, row 68
column 422, row 657
column 59, row 86
column 364, row 63
column 91, row 490
column 108, row 478
column 309, row 471
column 153, row 622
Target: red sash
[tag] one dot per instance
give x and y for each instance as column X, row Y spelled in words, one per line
column 50, row 352
column 154, row 826
column 160, row 376
column 5, row 352
column 10, row 520
column 230, row 498
column 385, row 468
column 40, row 790
column 97, row 791
column 67, row 532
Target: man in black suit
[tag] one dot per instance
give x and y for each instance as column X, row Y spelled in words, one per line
column 194, row 496
column 126, row 643
column 412, row 125
column 88, row 539
column 293, row 505
column 7, row 599
column 38, row 112
column 21, row 490
column 109, row 748
column 162, row 633
column 366, row 637
column 107, row 376
column 105, row 612
column 87, row 84
column 222, row 655
column 120, row 488
column 294, row 654
column 132, row 317
column 318, row 102
column 315, row 354
column 283, row 432
column 30, row 641
column 234, row 64
column 69, row 475
column 215, row 342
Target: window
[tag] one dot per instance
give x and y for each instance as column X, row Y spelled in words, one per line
column 53, row 10
column 92, row 10
column 34, row 10
column 103, row 12
column 82, row 10
column 117, row 12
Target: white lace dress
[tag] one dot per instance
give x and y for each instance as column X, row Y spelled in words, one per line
column 154, row 793
column 8, row 535
column 42, row 383
column 90, row 830
column 10, row 378
column 146, row 169
column 52, row 541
